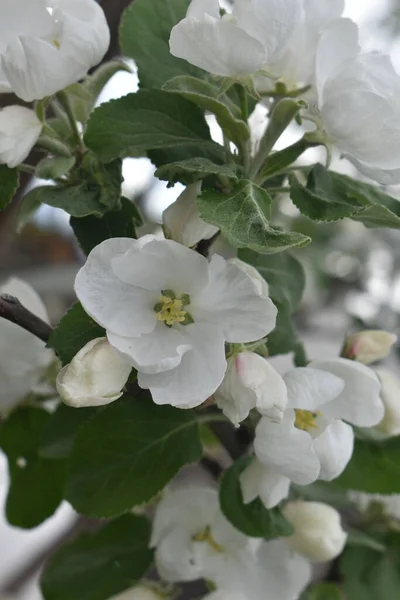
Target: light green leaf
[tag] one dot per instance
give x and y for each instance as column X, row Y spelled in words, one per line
column 280, row 160
column 9, row 182
column 243, row 216
column 193, row 169
column 207, row 97
column 98, row 565
column 127, row 453
column 51, row 168
column 149, row 120
column 252, row 519
column 323, row 591
column 361, row 538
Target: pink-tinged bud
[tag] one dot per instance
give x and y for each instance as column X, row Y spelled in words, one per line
column 369, row 346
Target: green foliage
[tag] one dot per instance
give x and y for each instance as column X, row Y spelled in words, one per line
column 191, row 170
column 280, row 160
column 74, row 330
column 91, row 231
column 9, row 182
column 244, row 215
column 61, row 429
column 54, row 167
column 37, row 483
column 323, row 591
column 330, row 196
column 144, row 35
column 149, row 120
column 99, row 565
column 127, row 453
column 252, row 519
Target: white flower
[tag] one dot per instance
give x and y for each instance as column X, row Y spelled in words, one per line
column 312, row 442
column 251, row 382
column 236, row 45
column 182, row 221
column 24, row 357
column 47, row 45
column 390, row 503
column 318, row 533
column 139, row 592
column 258, row 280
column 368, row 131
column 369, row 346
column 390, row 395
column 168, row 312
column 94, row 377
column 19, row 131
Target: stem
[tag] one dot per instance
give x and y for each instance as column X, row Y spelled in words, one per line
column 227, row 148
column 54, row 146
column 24, row 168
column 278, row 190
column 300, row 356
column 244, row 102
column 12, row 310
column 66, row 104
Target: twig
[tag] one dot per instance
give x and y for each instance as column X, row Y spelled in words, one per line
column 12, row 310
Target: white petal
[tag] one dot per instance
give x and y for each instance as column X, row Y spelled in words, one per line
column 199, row 373
column 232, row 301
column 198, row 8
column 310, row 388
column 285, row 573
column 117, row 306
column 287, row 450
column 162, row 265
column 24, row 17
column 390, row 394
column 259, row 480
column 258, row 280
column 175, row 557
column 19, row 131
column 322, row 12
column 384, row 176
column 233, row 397
column 359, row 403
column 258, row 375
column 335, row 449
column 217, row 46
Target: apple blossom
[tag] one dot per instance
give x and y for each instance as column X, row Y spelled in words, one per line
column 390, row 394
column 369, row 346
column 47, row 45
column 19, row 131
column 95, row 376
column 24, row 358
column 389, row 504
column 368, row 131
column 182, row 222
column 168, row 312
column 139, row 592
column 318, row 533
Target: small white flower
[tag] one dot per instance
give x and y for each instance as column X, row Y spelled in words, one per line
column 24, row 357
column 369, row 346
column 390, row 394
column 318, row 532
column 43, row 51
column 19, row 131
column 182, row 221
column 251, row 382
column 94, row 377
column 368, row 131
column 139, row 592
column 168, row 312
column 389, row 503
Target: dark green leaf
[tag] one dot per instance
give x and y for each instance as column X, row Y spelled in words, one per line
column 193, row 169
column 278, row 161
column 243, row 217
column 323, row 591
column 61, row 429
column 99, row 565
column 144, row 35
column 37, row 484
column 74, row 330
column 9, row 181
column 51, row 168
column 91, row 231
column 252, row 519
column 148, row 120
column 283, row 338
column 127, row 453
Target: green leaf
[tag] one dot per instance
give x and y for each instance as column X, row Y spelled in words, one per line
column 207, row 97
column 148, row 120
column 91, row 231
column 99, row 565
column 278, row 161
column 284, row 274
column 144, row 35
column 323, row 491
column 378, row 216
column 74, row 330
column 9, row 182
column 127, row 453
column 193, row 169
column 243, row 217
column 30, row 203
column 283, row 338
column 360, row 538
column 252, row 519
column 51, row 168
column 374, row 467
column 37, row 484
column 323, row 591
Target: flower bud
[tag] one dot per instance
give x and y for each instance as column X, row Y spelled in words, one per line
column 318, row 533
column 19, row 131
column 139, row 592
column 182, row 222
column 390, row 396
column 369, row 346
column 94, row 377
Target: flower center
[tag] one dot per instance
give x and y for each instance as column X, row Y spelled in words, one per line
column 206, row 536
column 170, row 308
column 306, row 420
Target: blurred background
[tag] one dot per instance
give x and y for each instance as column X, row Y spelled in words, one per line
column 353, row 274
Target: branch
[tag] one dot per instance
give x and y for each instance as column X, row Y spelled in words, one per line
column 12, row 310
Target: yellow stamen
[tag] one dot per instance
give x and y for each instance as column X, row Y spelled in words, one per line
column 170, row 310
column 205, row 536
column 57, row 44
column 306, row 420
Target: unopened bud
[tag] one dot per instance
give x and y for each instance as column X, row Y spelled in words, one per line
column 139, row 592
column 182, row 222
column 369, row 346
column 95, row 376
column 318, row 533
column 390, row 396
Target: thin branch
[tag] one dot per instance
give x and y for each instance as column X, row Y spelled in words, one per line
column 12, row 310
